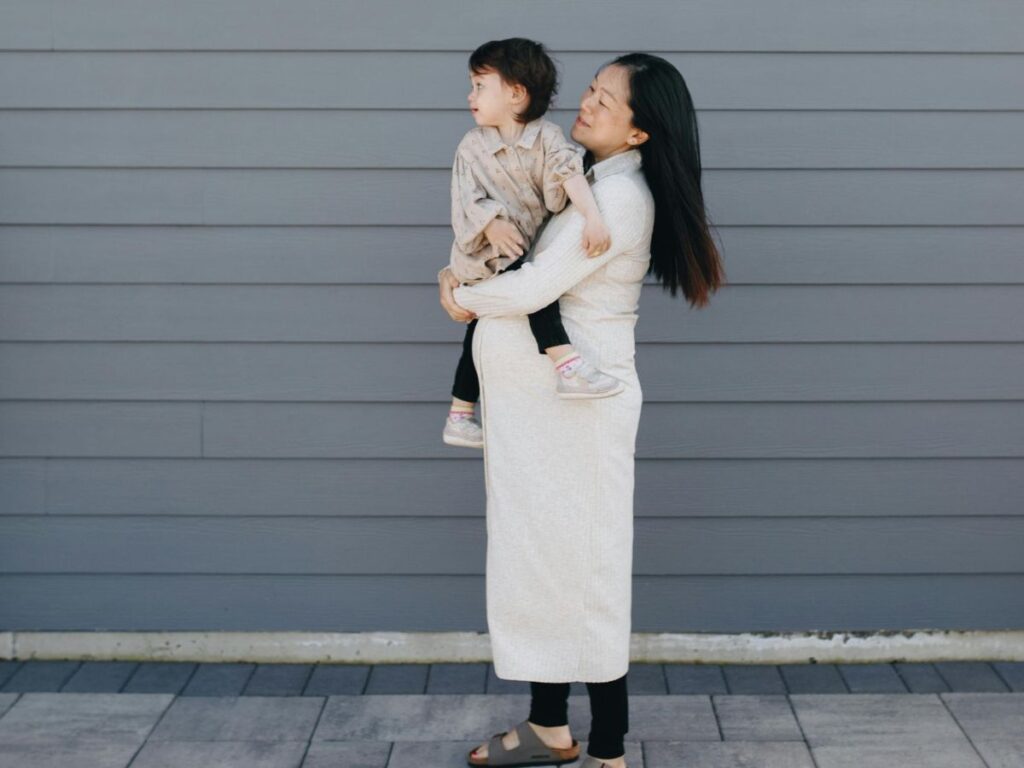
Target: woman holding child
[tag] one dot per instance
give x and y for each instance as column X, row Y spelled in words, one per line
column 553, row 352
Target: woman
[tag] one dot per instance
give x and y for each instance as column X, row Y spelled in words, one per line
column 559, row 473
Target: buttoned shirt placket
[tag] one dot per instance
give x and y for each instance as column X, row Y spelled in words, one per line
column 513, row 161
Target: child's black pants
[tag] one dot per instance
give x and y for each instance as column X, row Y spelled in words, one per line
column 546, row 326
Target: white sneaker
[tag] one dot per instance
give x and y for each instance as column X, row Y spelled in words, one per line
column 466, row 433
column 588, row 382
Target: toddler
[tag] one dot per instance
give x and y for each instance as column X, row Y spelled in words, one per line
column 510, row 173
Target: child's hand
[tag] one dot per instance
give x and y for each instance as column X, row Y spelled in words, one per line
column 596, row 237
column 505, row 237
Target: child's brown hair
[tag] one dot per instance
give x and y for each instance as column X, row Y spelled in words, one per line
column 524, row 62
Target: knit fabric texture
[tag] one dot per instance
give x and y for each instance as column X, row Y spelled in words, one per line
column 559, row 473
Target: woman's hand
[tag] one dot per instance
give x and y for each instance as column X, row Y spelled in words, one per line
column 447, row 282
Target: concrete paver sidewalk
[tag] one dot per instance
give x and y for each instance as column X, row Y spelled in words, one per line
column 93, row 714
column 163, row 730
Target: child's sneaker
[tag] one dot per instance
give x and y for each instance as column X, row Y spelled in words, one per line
column 586, row 381
column 466, row 433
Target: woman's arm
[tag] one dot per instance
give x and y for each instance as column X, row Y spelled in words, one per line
column 552, row 271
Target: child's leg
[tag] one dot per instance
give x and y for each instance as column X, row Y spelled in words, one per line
column 466, row 387
column 552, row 340
column 546, row 325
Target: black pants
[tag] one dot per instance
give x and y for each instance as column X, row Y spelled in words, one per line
column 547, row 329
column 609, row 713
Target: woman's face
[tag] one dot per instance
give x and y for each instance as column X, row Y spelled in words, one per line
column 604, row 123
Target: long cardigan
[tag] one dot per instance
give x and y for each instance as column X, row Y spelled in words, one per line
column 560, row 473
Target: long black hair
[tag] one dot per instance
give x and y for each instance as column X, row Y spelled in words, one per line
column 683, row 253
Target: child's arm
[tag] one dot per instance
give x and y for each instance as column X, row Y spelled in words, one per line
column 478, row 219
column 596, row 237
column 472, row 210
column 563, row 176
column 553, row 270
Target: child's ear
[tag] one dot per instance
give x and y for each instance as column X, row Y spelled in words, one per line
column 519, row 92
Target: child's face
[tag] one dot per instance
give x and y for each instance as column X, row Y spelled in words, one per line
column 492, row 101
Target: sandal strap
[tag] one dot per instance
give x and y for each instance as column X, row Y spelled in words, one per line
column 496, row 752
column 530, row 747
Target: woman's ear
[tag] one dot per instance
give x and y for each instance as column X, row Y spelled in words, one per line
column 638, row 138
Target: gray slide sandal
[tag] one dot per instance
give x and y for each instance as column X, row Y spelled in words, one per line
column 530, row 750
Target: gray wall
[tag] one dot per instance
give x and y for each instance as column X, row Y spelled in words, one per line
column 224, row 369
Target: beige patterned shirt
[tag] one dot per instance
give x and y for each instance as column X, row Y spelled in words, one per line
column 521, row 183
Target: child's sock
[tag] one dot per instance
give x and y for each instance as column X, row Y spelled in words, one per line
column 460, row 411
column 568, row 363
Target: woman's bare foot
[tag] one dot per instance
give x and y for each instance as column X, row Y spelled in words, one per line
column 556, row 736
column 618, row 762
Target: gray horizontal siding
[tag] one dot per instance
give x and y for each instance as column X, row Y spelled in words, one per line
column 813, row 487
column 271, row 602
column 761, row 255
column 412, row 430
column 870, row 25
column 426, row 139
column 410, row 313
column 344, row 372
column 216, row 228
column 733, row 546
column 438, row 80
column 417, row 197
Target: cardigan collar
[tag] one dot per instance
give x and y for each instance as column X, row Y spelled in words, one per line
column 494, row 142
column 623, row 161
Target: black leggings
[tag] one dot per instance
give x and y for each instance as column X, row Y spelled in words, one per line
column 609, row 713
column 548, row 331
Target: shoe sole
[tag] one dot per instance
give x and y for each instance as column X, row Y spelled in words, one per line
column 554, row 761
column 458, row 441
column 533, row 762
column 590, row 395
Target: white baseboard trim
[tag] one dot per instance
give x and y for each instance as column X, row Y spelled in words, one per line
column 465, row 647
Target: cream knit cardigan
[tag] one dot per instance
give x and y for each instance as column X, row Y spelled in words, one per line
column 560, row 473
